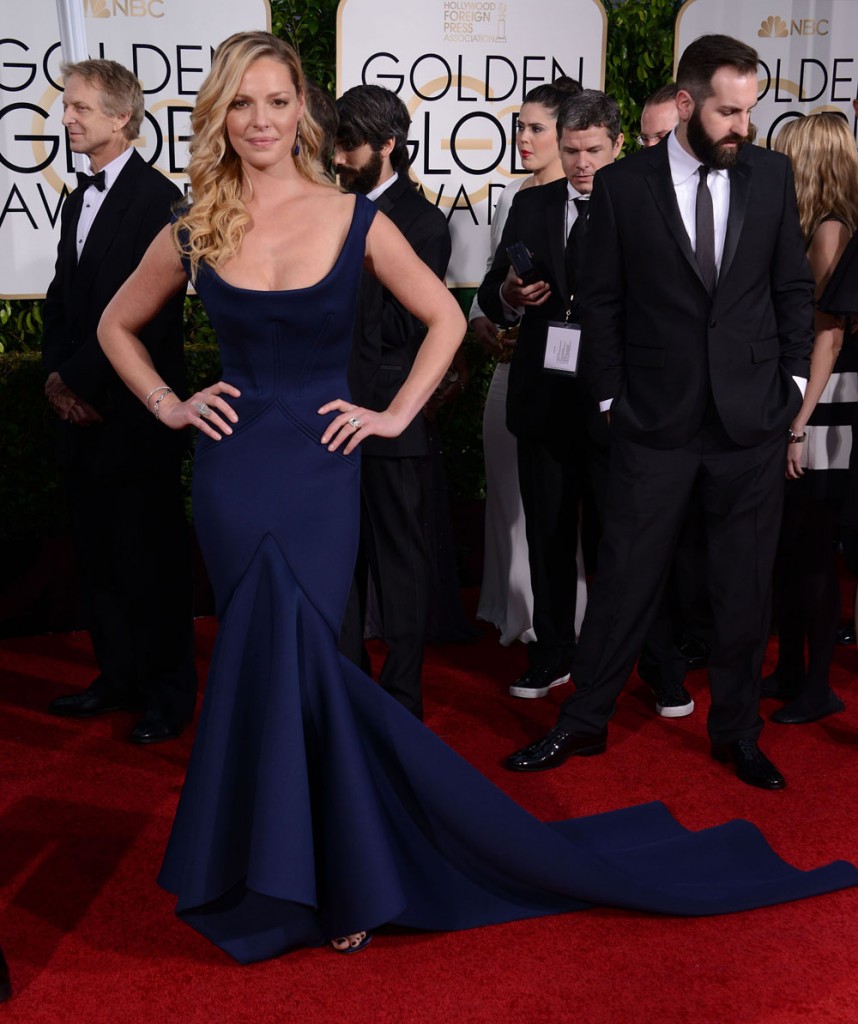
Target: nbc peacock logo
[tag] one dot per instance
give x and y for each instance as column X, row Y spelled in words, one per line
column 773, row 26
column 125, row 8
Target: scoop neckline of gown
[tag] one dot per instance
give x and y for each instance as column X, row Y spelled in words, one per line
column 308, row 287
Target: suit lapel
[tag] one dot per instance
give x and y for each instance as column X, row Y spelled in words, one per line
column 108, row 222
column 740, row 189
column 68, row 244
column 387, row 200
column 661, row 185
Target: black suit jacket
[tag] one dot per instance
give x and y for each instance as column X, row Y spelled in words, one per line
column 539, row 404
column 134, row 210
column 657, row 343
column 387, row 337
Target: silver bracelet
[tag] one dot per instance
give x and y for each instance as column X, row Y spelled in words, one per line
column 155, row 408
column 155, row 391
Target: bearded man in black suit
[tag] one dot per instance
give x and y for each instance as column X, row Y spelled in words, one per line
column 697, row 312
column 371, row 157
column 122, row 469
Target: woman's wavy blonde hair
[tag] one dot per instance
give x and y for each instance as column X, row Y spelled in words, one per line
column 825, row 164
column 211, row 228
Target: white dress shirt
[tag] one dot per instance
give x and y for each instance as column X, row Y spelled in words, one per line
column 92, row 198
column 684, row 171
column 382, row 188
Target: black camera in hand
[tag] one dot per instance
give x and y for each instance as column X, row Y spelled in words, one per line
column 525, row 264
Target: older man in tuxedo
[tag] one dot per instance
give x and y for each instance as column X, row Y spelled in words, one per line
column 549, row 411
column 121, row 468
column 698, row 324
column 371, row 157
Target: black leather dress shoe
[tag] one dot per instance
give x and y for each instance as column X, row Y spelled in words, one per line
column 553, row 749
column 846, row 635
column 153, row 728
column 5, row 983
column 797, row 713
column 85, row 705
column 752, row 766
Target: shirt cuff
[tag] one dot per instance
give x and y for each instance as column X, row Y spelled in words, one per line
column 510, row 312
column 606, row 405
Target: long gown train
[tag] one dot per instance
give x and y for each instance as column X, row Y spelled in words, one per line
column 314, row 804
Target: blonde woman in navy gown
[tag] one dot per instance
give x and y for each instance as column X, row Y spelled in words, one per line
column 315, row 806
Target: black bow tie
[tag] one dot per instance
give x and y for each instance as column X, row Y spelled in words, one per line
column 85, row 180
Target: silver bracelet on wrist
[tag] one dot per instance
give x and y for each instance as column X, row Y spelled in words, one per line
column 156, row 407
column 155, row 391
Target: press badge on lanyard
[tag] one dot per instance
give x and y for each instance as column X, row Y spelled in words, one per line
column 561, row 348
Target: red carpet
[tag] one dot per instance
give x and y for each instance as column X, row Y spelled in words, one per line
column 92, row 940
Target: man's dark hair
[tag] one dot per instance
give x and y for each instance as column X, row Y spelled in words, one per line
column 589, row 109
column 705, row 56
column 666, row 94
column 369, row 113
column 323, row 108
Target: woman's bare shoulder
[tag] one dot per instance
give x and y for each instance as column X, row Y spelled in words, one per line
column 332, row 201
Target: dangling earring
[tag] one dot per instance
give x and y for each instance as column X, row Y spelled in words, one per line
column 297, row 148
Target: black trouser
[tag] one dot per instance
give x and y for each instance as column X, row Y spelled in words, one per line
column 134, row 557
column 552, row 475
column 741, row 493
column 394, row 550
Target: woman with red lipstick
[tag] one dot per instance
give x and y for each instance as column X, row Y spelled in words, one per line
column 506, row 599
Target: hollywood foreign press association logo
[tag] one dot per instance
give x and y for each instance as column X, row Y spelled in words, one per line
column 773, row 27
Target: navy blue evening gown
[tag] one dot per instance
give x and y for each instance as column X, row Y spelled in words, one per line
column 315, row 805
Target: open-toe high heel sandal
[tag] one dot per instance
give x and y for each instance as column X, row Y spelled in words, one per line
column 353, row 946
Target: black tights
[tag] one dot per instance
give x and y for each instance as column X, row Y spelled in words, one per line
column 806, row 597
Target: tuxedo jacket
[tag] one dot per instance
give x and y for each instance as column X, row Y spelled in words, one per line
column 657, row 343
column 136, row 207
column 539, row 404
column 387, row 337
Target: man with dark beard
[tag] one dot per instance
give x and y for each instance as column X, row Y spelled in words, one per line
column 697, row 315
column 371, row 157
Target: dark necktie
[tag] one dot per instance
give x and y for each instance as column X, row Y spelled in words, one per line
column 85, row 180
column 705, row 228
column 575, row 242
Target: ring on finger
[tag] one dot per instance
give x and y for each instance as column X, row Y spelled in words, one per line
column 202, row 410
column 355, row 422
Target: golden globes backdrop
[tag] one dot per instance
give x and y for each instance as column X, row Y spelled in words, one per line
column 167, row 43
column 808, row 53
column 462, row 67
